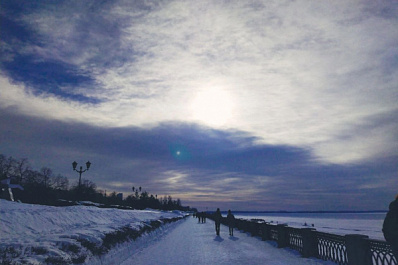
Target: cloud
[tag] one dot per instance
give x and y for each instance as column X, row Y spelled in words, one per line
column 222, row 167
column 262, row 88
column 312, row 77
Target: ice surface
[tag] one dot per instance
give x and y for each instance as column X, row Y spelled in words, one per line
column 369, row 224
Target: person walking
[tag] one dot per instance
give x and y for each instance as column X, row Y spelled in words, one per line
column 390, row 226
column 217, row 220
column 199, row 215
column 231, row 222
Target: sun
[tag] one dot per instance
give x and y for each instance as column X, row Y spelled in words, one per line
column 212, row 106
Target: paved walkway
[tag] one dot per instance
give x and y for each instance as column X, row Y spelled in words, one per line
column 191, row 242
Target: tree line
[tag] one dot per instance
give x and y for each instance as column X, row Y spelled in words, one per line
column 45, row 187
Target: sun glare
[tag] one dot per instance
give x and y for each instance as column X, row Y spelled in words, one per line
column 212, row 106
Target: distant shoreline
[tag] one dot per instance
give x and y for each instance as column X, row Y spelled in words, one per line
column 289, row 212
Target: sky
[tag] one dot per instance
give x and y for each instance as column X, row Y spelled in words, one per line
column 245, row 105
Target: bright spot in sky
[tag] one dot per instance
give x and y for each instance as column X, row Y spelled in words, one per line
column 178, row 153
column 212, row 106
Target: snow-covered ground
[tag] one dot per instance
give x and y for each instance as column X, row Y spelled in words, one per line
column 31, row 233
column 189, row 242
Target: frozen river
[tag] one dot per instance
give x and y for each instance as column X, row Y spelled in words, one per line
column 369, row 224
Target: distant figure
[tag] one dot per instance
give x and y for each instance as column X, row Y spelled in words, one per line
column 390, row 226
column 217, row 220
column 199, row 215
column 203, row 217
column 231, row 222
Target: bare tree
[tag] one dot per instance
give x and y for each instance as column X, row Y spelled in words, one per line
column 21, row 169
column 144, row 195
column 46, row 174
column 59, row 182
column 32, row 177
column 89, row 184
column 6, row 166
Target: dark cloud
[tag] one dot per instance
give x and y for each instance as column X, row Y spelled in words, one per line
column 52, row 64
column 13, row 31
column 221, row 164
column 48, row 77
column 117, row 56
column 25, row 65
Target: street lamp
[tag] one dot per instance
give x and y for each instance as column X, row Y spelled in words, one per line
column 74, row 164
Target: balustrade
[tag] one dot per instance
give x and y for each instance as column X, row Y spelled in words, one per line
column 343, row 250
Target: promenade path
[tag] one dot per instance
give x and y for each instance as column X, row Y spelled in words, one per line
column 190, row 242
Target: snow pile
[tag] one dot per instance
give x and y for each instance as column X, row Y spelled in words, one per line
column 35, row 234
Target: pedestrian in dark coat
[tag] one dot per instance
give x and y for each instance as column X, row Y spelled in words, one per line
column 217, row 220
column 390, row 227
column 199, row 215
column 231, row 222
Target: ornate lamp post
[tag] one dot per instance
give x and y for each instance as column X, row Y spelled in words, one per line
column 74, row 164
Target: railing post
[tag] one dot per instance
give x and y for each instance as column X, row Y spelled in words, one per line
column 242, row 225
column 252, row 228
column 238, row 224
column 310, row 243
column 358, row 250
column 246, row 226
column 283, row 235
column 265, row 232
column 255, row 228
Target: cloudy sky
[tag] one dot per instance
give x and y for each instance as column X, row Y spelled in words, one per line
column 248, row 105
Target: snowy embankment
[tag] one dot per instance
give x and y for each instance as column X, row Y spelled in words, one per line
column 37, row 234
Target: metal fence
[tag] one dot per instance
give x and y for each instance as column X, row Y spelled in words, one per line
column 332, row 247
column 343, row 250
column 274, row 234
column 381, row 253
column 295, row 239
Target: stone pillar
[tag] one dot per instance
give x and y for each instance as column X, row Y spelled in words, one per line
column 255, row 228
column 242, row 225
column 265, row 232
column 310, row 243
column 251, row 226
column 238, row 224
column 358, row 250
column 283, row 235
column 246, row 226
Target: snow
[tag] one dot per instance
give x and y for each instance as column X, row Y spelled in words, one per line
column 33, row 229
column 33, row 233
column 369, row 224
column 190, row 242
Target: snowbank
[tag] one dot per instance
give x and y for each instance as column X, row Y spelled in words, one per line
column 33, row 233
